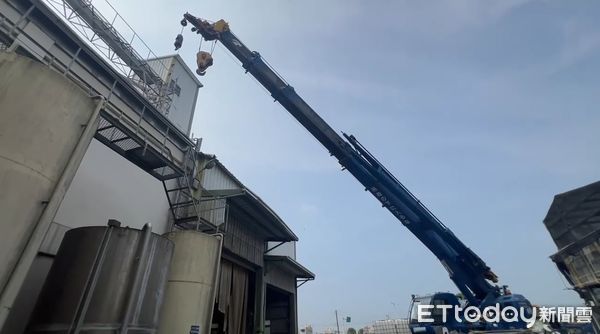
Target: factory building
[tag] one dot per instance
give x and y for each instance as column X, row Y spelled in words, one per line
column 573, row 221
column 83, row 141
column 258, row 267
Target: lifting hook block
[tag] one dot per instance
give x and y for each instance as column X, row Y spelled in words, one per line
column 178, row 41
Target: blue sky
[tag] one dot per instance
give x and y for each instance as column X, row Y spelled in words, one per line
column 484, row 109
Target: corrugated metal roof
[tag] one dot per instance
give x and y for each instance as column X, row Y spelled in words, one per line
column 220, row 182
column 273, row 227
column 291, row 266
column 574, row 215
column 251, row 200
column 218, row 179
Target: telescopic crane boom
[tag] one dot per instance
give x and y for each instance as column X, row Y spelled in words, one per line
column 467, row 270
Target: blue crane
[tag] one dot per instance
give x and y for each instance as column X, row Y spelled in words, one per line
column 473, row 278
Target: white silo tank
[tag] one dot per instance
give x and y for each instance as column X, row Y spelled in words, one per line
column 42, row 118
column 191, row 286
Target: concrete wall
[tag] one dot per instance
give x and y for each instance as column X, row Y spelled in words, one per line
column 107, row 186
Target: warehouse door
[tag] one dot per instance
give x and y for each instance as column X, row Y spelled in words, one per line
column 235, row 300
column 278, row 310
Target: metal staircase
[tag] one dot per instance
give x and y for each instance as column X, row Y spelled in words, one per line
column 183, row 202
column 178, row 179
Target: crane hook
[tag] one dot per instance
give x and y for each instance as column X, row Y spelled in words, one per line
column 204, row 60
column 178, row 41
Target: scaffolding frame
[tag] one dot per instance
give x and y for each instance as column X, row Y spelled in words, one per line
column 118, row 48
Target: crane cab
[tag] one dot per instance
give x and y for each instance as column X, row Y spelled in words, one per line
column 434, row 323
column 432, row 320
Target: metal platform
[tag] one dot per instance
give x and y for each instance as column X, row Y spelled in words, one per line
column 131, row 124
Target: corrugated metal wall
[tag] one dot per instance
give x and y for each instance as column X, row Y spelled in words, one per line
column 277, row 277
column 286, row 249
column 214, row 211
column 241, row 239
column 216, row 179
column 584, row 265
column 574, row 214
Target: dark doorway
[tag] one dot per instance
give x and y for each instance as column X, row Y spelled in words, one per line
column 234, row 306
column 278, row 310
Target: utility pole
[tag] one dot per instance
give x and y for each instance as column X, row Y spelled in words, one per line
column 337, row 322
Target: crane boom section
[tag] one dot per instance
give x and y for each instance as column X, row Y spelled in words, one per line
column 467, row 270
